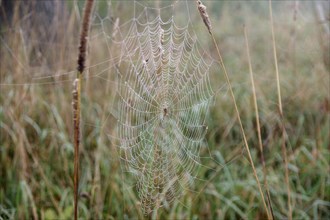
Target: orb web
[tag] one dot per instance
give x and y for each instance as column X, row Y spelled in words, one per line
column 162, row 102
column 163, row 95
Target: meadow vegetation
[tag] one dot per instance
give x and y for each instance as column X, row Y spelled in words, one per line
column 36, row 131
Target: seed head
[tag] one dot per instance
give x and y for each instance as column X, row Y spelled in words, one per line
column 204, row 15
column 84, row 35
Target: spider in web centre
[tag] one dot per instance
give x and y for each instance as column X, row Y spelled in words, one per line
column 164, row 112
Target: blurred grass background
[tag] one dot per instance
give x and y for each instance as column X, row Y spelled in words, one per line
column 36, row 152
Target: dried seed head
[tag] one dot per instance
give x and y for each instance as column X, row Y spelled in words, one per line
column 84, row 35
column 204, row 15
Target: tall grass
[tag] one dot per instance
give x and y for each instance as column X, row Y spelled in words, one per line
column 205, row 17
column 76, row 98
column 255, row 102
column 36, row 150
column 278, row 87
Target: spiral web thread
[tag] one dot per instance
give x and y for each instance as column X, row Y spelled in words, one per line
column 162, row 102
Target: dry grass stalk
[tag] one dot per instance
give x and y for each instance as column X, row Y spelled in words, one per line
column 205, row 17
column 77, row 97
column 283, row 145
column 76, row 135
column 258, row 123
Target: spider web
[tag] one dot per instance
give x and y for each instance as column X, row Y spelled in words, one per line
column 163, row 94
column 162, row 100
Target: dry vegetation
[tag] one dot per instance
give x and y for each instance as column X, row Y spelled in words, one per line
column 36, row 133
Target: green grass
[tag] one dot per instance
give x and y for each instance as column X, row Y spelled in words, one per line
column 36, row 134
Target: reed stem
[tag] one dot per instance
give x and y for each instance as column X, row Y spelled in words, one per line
column 76, row 127
column 77, row 97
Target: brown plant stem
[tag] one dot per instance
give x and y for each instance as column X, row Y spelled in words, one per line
column 76, row 134
column 77, row 97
